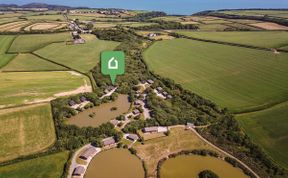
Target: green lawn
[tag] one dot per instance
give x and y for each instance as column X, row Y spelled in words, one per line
column 25, row 130
column 233, row 77
column 50, row 166
column 268, row 39
column 29, row 43
column 82, row 57
column 268, row 128
column 25, row 87
column 30, row 62
column 5, row 42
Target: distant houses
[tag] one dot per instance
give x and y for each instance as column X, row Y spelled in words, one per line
column 136, row 112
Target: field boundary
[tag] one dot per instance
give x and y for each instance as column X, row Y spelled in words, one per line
column 230, row 44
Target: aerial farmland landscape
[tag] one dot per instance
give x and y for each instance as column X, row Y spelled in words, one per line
column 141, row 89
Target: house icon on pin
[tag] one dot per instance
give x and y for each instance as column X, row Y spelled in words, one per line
column 113, row 63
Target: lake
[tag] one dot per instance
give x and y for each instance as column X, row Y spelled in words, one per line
column 190, row 166
column 102, row 113
column 115, row 163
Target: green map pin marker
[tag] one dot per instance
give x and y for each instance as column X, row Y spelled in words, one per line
column 113, row 64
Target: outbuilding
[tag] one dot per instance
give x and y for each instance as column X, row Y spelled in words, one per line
column 88, row 153
column 78, row 171
column 132, row 137
column 108, row 141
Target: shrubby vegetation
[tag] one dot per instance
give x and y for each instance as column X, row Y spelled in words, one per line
column 208, row 174
column 167, row 25
column 228, row 135
column 146, row 16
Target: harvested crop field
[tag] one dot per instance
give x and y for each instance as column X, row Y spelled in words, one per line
column 238, row 78
column 268, row 128
column 27, row 130
column 18, row 88
column 267, row 39
column 270, row 26
column 44, row 26
column 82, row 57
column 13, row 26
column 50, row 166
column 29, row 43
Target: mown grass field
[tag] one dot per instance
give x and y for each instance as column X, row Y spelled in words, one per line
column 155, row 149
column 267, row 39
column 19, row 88
column 82, row 57
column 50, row 166
column 269, row 129
column 30, row 62
column 5, row 42
column 233, row 77
column 25, row 130
column 29, row 43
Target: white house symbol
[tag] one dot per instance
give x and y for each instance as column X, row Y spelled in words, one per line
column 110, row 63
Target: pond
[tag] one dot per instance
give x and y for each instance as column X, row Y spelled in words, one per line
column 101, row 114
column 190, row 166
column 115, row 163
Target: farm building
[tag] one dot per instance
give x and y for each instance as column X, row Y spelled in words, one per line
column 137, row 103
column 150, row 129
column 155, row 129
column 88, row 153
column 132, row 137
column 150, row 81
column 114, row 122
column 108, row 141
column 136, row 111
column 78, row 171
column 169, row 96
column 71, row 102
column 190, row 126
column 83, row 98
column 159, row 89
column 165, row 93
column 152, row 35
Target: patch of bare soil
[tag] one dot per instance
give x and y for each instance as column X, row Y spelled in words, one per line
column 270, row 26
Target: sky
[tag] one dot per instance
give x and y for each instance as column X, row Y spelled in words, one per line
column 168, row 6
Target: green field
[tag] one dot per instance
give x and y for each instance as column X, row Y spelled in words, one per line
column 5, row 42
column 212, row 27
column 266, row 39
column 273, row 13
column 29, row 43
column 269, row 129
column 30, row 62
column 82, row 57
column 25, row 130
column 50, row 166
column 46, row 17
column 25, row 87
column 233, row 77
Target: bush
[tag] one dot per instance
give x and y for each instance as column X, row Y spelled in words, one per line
column 207, row 174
